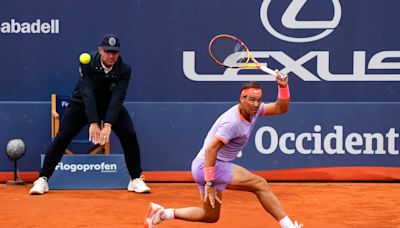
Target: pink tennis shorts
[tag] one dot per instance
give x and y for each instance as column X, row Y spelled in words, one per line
column 223, row 174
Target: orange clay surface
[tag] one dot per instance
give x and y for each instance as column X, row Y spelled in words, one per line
column 314, row 204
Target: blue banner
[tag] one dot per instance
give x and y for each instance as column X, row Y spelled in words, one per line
column 90, row 172
column 309, row 135
column 325, row 46
column 342, row 58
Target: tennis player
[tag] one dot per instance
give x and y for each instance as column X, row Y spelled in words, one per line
column 213, row 170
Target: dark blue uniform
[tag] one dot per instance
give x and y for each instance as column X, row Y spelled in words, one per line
column 98, row 96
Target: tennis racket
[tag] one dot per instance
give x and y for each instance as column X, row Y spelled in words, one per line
column 229, row 51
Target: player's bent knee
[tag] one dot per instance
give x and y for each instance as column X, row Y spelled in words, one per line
column 210, row 217
column 262, row 185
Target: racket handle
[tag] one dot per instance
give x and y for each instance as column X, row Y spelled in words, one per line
column 272, row 72
column 267, row 70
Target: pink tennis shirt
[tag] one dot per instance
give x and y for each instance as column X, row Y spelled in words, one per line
column 233, row 130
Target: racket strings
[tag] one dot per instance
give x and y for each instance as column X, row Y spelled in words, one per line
column 241, row 54
column 229, row 52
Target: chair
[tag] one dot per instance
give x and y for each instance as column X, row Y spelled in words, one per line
column 58, row 105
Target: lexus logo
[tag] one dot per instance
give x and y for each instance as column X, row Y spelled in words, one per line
column 289, row 21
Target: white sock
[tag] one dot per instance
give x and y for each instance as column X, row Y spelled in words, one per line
column 168, row 214
column 285, row 222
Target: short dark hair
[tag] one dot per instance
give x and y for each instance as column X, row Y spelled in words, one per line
column 248, row 85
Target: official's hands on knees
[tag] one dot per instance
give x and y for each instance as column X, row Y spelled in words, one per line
column 105, row 134
column 99, row 136
column 94, row 133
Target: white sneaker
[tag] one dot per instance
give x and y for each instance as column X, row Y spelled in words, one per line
column 40, row 186
column 138, row 185
column 297, row 225
column 153, row 217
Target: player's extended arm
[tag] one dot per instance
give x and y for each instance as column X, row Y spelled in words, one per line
column 118, row 96
column 86, row 88
column 210, row 193
column 281, row 105
column 211, row 152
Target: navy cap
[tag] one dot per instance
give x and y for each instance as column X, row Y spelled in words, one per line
column 110, row 42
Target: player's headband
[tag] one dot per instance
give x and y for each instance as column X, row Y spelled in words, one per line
column 251, row 92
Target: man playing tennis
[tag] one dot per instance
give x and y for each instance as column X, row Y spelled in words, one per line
column 213, row 170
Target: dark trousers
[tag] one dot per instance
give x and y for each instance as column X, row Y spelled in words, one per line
column 72, row 122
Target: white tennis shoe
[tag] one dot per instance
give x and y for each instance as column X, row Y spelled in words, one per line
column 40, row 186
column 137, row 185
column 297, row 225
column 153, row 217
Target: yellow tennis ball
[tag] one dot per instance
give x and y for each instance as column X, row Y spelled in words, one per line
column 84, row 58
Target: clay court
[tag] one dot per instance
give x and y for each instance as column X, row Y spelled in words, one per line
column 314, row 204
